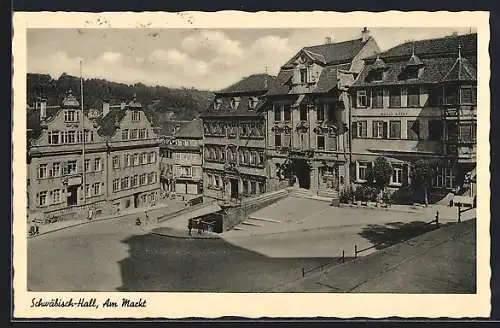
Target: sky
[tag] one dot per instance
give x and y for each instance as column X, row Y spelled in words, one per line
column 208, row 59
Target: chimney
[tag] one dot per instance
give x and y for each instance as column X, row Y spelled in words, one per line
column 43, row 109
column 105, row 108
column 365, row 34
column 328, row 40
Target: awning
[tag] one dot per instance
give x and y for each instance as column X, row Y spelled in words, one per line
column 212, row 208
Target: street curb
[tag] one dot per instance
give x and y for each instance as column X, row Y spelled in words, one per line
column 86, row 222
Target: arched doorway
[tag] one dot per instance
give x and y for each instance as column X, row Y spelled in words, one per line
column 302, row 170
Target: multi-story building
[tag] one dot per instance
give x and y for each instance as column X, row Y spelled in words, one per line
column 417, row 100
column 132, row 162
column 186, row 155
column 60, row 174
column 117, row 162
column 234, row 140
column 308, row 116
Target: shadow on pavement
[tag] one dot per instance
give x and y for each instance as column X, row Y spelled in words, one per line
column 158, row 263
column 394, row 232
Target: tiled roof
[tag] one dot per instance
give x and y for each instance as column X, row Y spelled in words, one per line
column 243, row 108
column 252, row 83
column 169, row 128
column 334, row 53
column 379, row 63
column 434, row 70
column 326, row 81
column 414, row 61
column 448, row 45
column 33, row 123
column 192, row 130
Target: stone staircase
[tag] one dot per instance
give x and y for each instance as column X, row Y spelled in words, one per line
column 323, row 195
column 254, row 222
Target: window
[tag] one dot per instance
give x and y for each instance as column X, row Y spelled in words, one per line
column 125, row 135
column 235, row 102
column 377, row 98
column 125, row 183
column 217, row 104
column 413, row 96
column 277, row 140
column 303, row 75
column 361, row 129
column 216, row 181
column 143, row 179
column 262, row 187
column 133, row 134
column 253, row 187
column 320, row 112
column 56, row 196
column 152, row 177
column 287, row 113
column 152, row 157
column 97, row 164
column 53, row 138
column 466, row 94
column 467, row 132
column 134, row 181
column 142, row 134
column 378, row 129
column 303, row 113
column 71, row 116
column 56, row 169
column 42, row 171
column 321, row 142
column 143, row 158
column 126, row 160
column 330, row 109
column 397, row 175
column 377, row 75
column 261, row 158
column 42, row 198
column 245, row 187
column 116, row 162
column 116, row 185
column 450, row 95
column 413, row 130
column 395, row 129
column 135, row 159
column 96, row 188
column 395, row 97
column 253, row 158
column 277, row 113
column 449, row 178
column 361, row 98
column 362, row 168
column 79, row 136
column 186, row 171
column 86, row 165
column 72, row 167
column 89, row 136
column 71, row 139
column 435, row 130
column 136, row 116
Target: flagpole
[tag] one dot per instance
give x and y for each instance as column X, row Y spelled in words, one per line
column 83, row 137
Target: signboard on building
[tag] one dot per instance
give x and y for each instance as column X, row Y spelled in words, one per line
column 74, row 181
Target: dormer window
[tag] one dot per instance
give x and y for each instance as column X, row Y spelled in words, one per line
column 252, row 102
column 235, row 102
column 412, row 73
column 377, row 75
column 303, row 75
column 217, row 104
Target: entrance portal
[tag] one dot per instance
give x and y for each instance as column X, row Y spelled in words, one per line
column 234, row 188
column 302, row 170
column 72, row 197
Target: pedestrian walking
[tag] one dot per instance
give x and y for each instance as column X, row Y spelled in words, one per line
column 199, row 226
column 147, row 217
column 190, row 226
column 90, row 214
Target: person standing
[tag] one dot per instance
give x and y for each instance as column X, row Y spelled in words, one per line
column 90, row 214
column 190, row 226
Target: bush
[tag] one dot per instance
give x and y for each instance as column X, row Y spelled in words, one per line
column 346, row 196
column 364, row 193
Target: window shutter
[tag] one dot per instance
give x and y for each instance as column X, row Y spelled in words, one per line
column 353, row 130
column 404, row 178
column 386, row 129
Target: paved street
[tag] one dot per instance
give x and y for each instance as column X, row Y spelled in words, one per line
column 118, row 255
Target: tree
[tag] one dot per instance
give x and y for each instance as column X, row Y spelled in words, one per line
column 421, row 175
column 380, row 174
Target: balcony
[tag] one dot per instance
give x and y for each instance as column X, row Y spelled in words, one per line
column 466, row 154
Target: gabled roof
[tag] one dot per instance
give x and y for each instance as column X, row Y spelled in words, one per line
column 434, row 70
column 169, row 128
column 379, row 63
column 414, row 61
column 33, row 122
column 327, row 80
column 252, row 83
column 192, row 130
column 424, row 48
column 243, row 108
column 461, row 70
column 335, row 53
